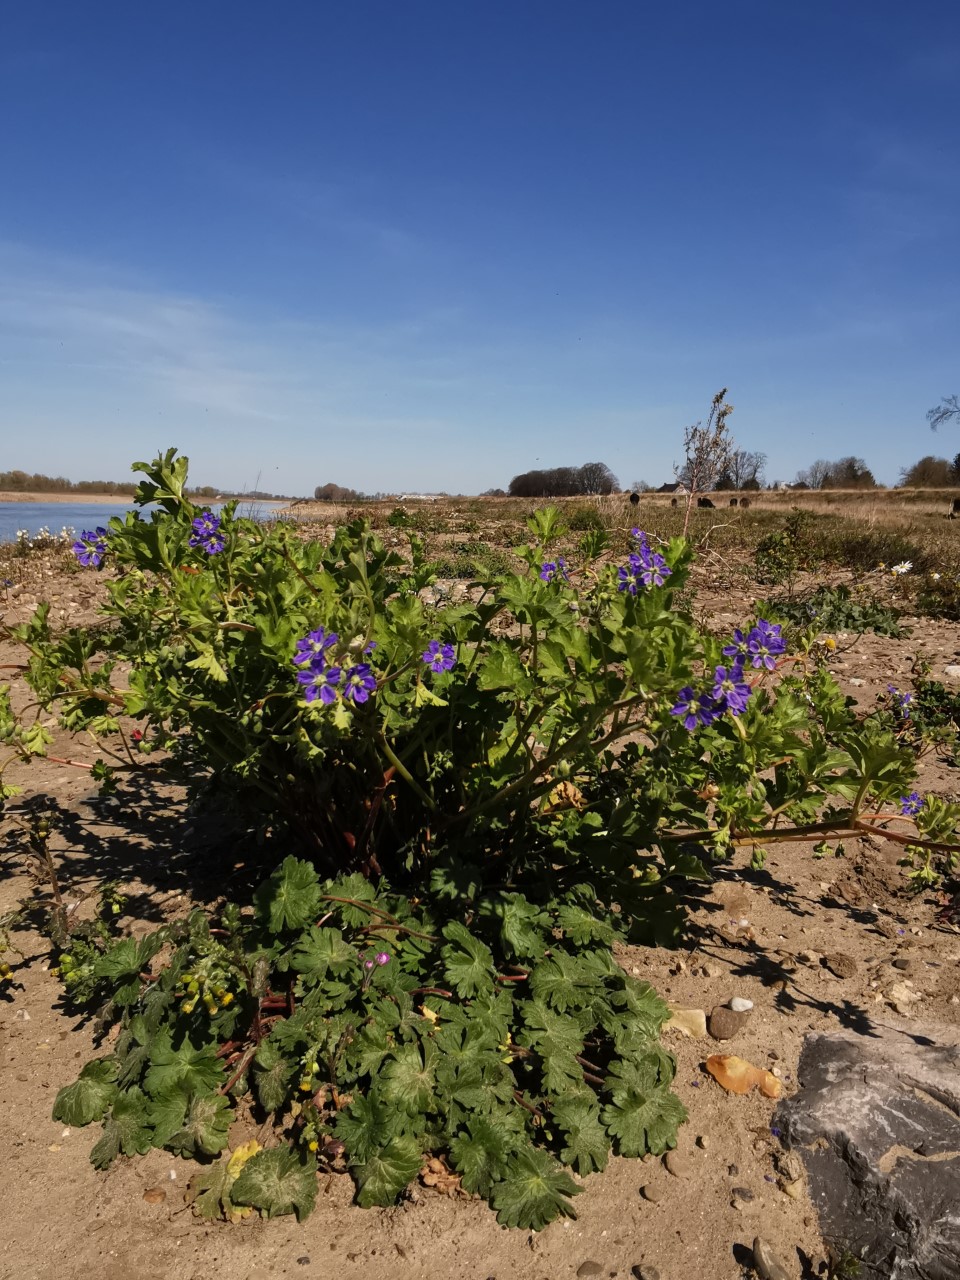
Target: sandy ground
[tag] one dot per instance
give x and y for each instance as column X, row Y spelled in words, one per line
column 815, row 944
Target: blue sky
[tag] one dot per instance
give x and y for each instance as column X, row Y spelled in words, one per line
column 429, row 245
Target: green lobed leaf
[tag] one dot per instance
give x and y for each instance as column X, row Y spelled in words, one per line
column 278, row 1181
column 88, row 1098
column 126, row 1129
column 407, row 1079
column 322, row 951
column 206, row 1126
column 290, row 898
column 534, row 1191
column 195, row 1069
column 479, row 1154
column 272, row 1076
column 588, row 1146
column 387, row 1171
column 467, row 962
column 643, row 1122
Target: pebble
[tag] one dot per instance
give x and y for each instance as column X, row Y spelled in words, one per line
column 903, row 964
column 675, row 1164
column 793, row 1189
column 590, row 1268
column 155, row 1195
column 703, row 1142
column 808, row 957
column 842, row 966
column 952, row 670
column 689, row 1022
column 743, row 1193
column 725, row 1023
column 857, row 682
column 22, row 1016
column 740, row 1004
column 645, row 1273
column 711, row 970
column 767, row 1263
column 651, row 1193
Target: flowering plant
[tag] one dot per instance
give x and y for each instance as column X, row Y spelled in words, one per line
column 538, row 768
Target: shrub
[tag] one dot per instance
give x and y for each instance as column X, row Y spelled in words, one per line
column 489, row 794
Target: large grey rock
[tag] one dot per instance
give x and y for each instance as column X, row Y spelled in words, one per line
column 877, row 1122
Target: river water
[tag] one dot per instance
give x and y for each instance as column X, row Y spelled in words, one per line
column 77, row 516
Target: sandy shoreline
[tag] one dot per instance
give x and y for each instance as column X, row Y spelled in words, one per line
column 98, row 499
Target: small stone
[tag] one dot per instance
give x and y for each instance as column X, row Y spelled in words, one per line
column 903, row 964
column 793, row 1189
column 590, row 1268
column 304, row 1261
column 740, row 1004
column 711, row 970
column 703, row 1142
column 645, row 1273
column 767, row 1263
column 953, row 671
column 22, row 1016
column 857, row 682
column 842, row 966
column 733, row 1170
column 675, row 1164
column 689, row 1022
column 155, row 1195
column 742, row 1193
column 808, row 957
column 651, row 1193
column 725, row 1023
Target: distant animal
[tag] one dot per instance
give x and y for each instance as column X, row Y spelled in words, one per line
column 733, row 502
column 673, row 502
column 705, row 502
column 955, row 509
column 744, row 502
column 634, row 499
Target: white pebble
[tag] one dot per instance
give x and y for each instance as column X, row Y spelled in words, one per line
column 740, row 1004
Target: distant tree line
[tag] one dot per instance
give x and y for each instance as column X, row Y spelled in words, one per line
column 565, row 482
column 24, row 482
column 846, row 473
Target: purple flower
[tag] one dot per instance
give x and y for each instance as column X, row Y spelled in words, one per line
column 639, row 536
column 901, row 701
column 91, row 547
column 694, row 709
column 359, row 683
column 439, row 657
column 730, row 690
column 313, row 646
column 911, row 805
column 765, row 644
column 647, row 567
column 554, row 569
column 320, row 682
column 206, row 533
column 382, row 957
column 738, row 649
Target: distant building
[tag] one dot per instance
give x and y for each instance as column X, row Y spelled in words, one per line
column 676, row 487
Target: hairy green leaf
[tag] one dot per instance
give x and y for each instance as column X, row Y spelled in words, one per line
column 278, row 1181
column 88, row 1098
column 290, row 898
column 467, row 962
column 387, row 1171
column 534, row 1191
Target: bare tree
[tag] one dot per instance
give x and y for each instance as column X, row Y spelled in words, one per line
column 816, row 475
column 746, row 469
column 706, row 453
column 949, row 407
column 928, row 473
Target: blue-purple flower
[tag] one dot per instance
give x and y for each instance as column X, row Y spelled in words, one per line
column 901, row 701
column 730, row 690
column 359, row 683
column 765, row 644
column 646, row 567
column 439, row 657
column 911, row 805
column 694, row 709
column 552, row 569
column 314, row 645
column 321, row 682
column 91, row 547
column 206, row 533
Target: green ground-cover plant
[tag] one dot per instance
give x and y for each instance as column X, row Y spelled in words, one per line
column 510, row 783
column 375, row 1035
column 838, row 608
